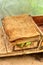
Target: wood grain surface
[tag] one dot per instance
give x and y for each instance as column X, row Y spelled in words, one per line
column 38, row 20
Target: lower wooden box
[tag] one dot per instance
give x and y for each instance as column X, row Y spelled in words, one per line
column 6, row 48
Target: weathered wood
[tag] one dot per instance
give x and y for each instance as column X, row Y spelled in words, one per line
column 7, row 47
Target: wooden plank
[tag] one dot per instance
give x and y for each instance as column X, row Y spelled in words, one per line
column 2, row 43
column 20, row 53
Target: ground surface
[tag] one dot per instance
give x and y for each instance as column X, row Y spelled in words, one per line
column 35, row 59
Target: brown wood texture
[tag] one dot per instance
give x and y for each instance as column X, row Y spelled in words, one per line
column 38, row 19
column 41, row 28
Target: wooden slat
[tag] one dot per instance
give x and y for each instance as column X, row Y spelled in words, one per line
column 2, row 43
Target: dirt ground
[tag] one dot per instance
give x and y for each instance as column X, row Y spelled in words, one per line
column 33, row 59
